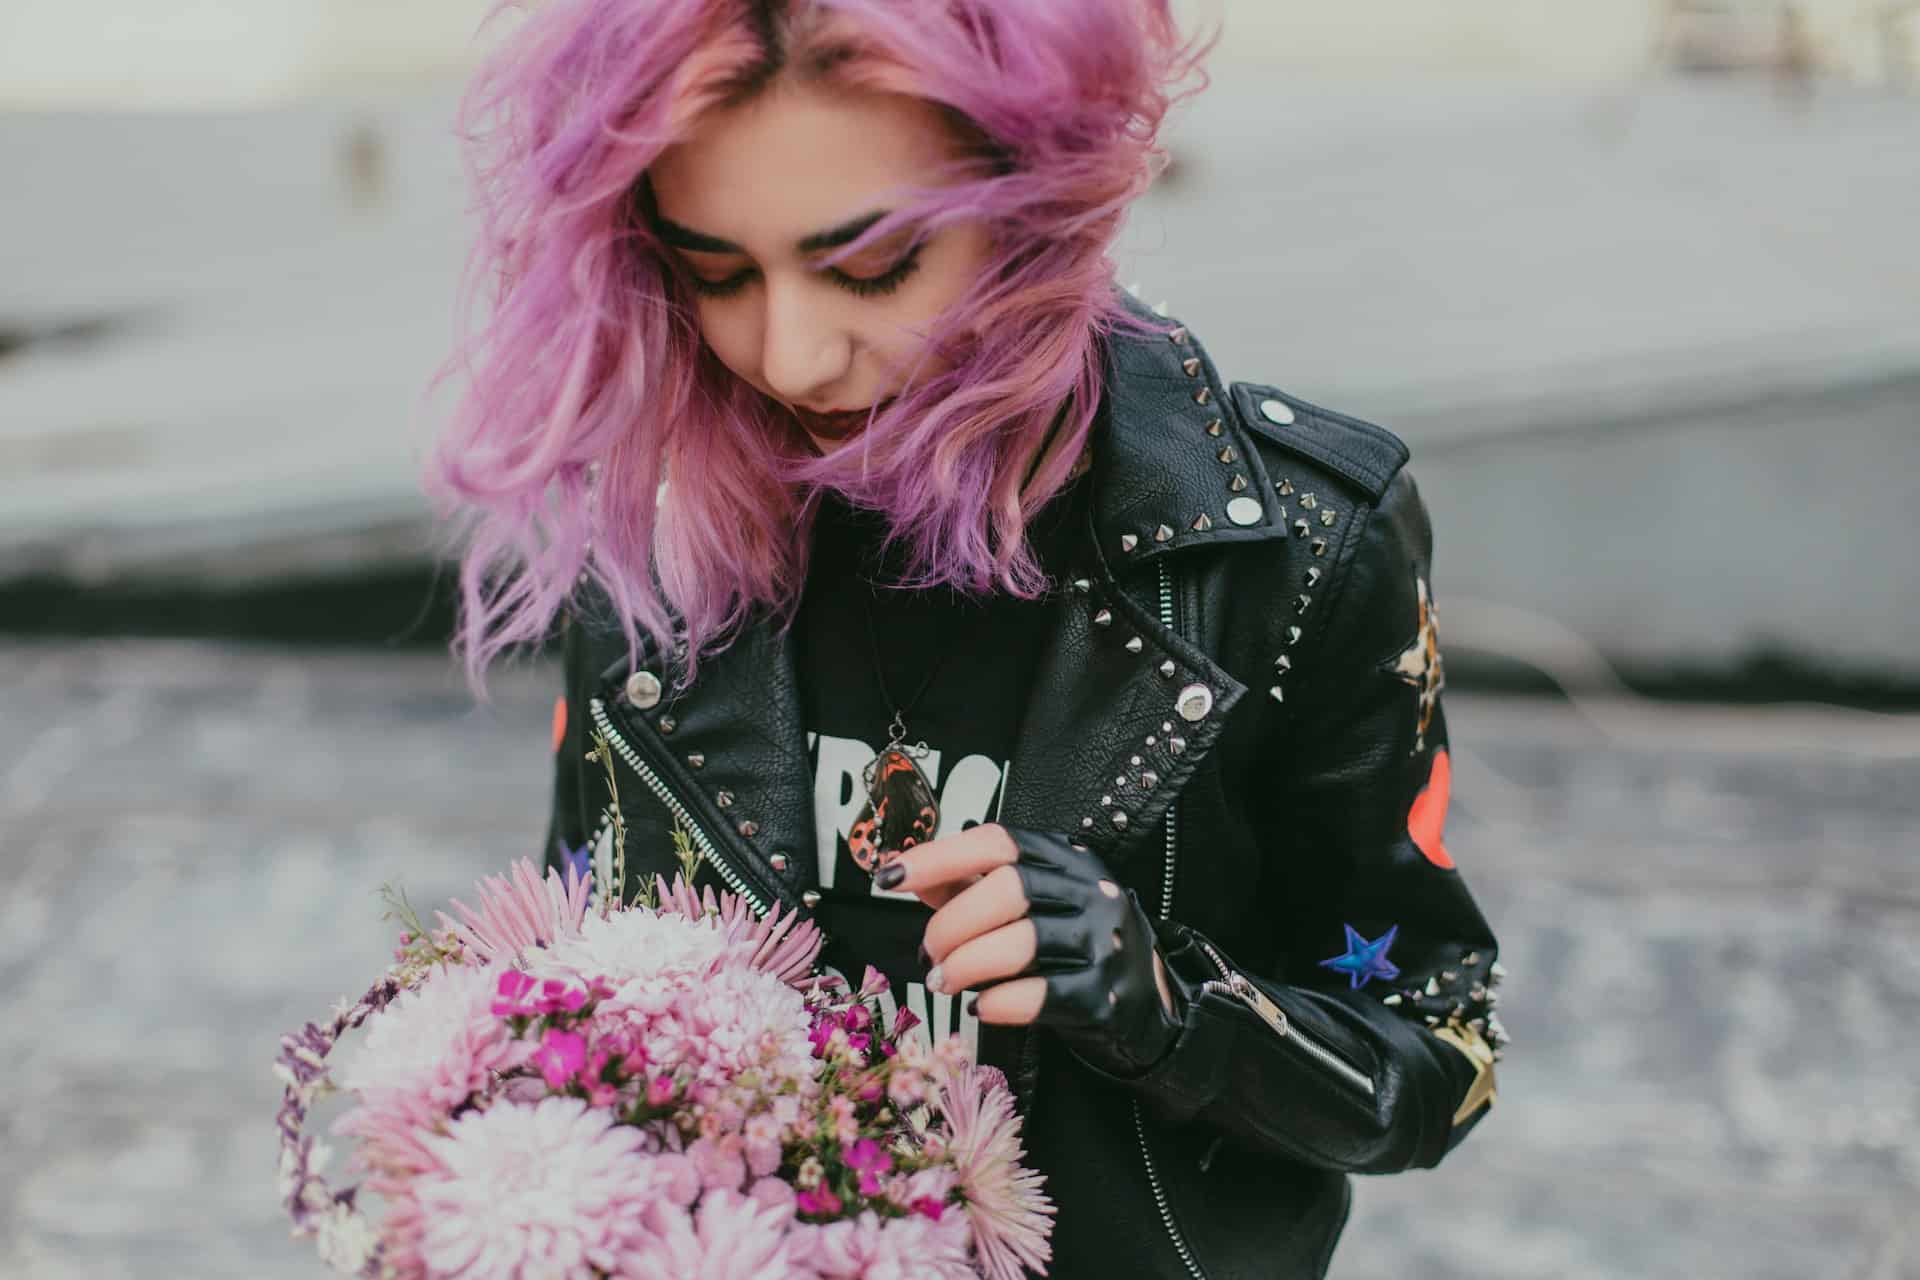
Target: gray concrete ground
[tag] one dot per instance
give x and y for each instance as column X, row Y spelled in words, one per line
column 1711, row 915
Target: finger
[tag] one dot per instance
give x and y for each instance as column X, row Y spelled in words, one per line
column 959, row 857
column 991, row 957
column 1012, row 1004
column 976, row 909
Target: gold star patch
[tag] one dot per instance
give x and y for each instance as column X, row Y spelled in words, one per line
column 1419, row 665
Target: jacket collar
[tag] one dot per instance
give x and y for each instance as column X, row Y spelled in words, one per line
column 1123, row 708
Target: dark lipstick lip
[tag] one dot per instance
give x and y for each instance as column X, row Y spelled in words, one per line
column 837, row 422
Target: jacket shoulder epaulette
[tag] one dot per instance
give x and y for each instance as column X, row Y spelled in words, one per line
column 1365, row 455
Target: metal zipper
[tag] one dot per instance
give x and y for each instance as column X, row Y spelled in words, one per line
column 1159, row 1191
column 1234, row 983
column 708, row 850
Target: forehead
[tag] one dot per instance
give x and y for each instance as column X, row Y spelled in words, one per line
column 796, row 160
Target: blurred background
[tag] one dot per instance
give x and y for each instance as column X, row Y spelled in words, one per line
column 1638, row 280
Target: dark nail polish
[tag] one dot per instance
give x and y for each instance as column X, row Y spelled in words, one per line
column 890, row 875
column 973, row 1007
column 925, row 959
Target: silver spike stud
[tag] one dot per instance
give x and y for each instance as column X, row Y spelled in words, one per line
column 697, row 760
column 1192, row 366
column 1128, row 542
column 1202, row 395
column 810, row 899
column 1103, row 618
column 1318, row 546
column 1308, row 501
column 1277, row 694
column 1471, row 959
column 1327, row 516
column 1300, row 528
column 1313, row 576
column 1166, row 670
column 1119, row 819
column 1083, row 585
column 1178, row 337
column 1498, row 972
column 724, row 799
column 1285, row 489
column 1392, row 1002
column 1238, row 484
column 1162, row 533
column 1302, row 602
column 1202, row 523
column 748, row 828
column 1449, row 976
column 778, row 862
column 1283, row 664
column 1226, row 454
column 1135, row 644
column 1176, row 746
column 1149, row 780
column 1293, row 636
column 668, row 724
column 1214, row 428
column 1433, row 986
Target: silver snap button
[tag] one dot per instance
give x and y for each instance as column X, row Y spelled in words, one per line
column 1194, row 702
column 1276, row 411
column 643, row 689
column 1245, row 511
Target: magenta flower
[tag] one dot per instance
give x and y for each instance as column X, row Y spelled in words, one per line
column 510, row 994
column 560, row 1057
column 817, row 1202
column 868, row 1159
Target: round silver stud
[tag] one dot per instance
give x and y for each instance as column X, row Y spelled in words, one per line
column 1276, row 411
column 1086, row 824
column 1166, row 726
column 1135, row 761
column 1245, row 511
column 1106, row 801
column 643, row 689
column 1194, row 702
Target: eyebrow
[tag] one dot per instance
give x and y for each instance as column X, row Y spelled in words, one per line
column 700, row 242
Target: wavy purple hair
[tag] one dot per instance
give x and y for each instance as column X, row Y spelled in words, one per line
column 597, row 436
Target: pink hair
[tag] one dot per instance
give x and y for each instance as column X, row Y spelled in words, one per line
column 588, row 386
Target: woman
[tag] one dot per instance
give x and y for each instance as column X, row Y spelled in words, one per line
column 942, row 593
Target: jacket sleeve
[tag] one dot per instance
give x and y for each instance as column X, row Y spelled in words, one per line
column 569, row 823
column 1368, row 1046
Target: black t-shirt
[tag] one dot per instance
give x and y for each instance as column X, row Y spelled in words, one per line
column 987, row 651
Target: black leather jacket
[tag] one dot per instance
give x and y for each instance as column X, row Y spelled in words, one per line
column 1237, row 709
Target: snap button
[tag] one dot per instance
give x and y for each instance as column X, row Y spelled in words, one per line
column 1245, row 511
column 1194, row 702
column 1276, row 411
column 643, row 689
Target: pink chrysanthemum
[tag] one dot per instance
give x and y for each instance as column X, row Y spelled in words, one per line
column 874, row 1248
column 727, row 1237
column 554, row 1190
column 782, row 945
column 1010, row 1216
column 426, row 1053
column 518, row 912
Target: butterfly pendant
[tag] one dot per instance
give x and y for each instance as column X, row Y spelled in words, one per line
column 900, row 811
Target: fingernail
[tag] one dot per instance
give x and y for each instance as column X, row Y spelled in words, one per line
column 935, row 977
column 973, row 1007
column 890, row 875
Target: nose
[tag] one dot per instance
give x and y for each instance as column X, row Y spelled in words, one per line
column 803, row 350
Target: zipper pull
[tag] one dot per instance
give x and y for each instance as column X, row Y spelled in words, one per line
column 1256, row 999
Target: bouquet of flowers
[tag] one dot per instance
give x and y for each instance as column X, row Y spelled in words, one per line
column 555, row 1086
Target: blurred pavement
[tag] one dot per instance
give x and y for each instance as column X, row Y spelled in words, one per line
column 1712, row 919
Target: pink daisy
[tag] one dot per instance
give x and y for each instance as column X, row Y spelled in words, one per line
column 519, row 912
column 728, row 1237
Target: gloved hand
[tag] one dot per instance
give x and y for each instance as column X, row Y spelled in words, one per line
column 1046, row 935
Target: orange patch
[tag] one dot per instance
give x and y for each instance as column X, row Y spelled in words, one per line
column 1428, row 818
column 559, row 722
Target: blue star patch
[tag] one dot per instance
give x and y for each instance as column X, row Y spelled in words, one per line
column 1365, row 960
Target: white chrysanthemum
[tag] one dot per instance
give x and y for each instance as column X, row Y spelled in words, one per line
column 552, row 1190
column 631, row 948
column 433, row 1046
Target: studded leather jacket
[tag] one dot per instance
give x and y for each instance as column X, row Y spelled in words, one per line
column 1238, row 709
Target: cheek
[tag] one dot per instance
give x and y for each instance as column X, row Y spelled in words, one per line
column 731, row 332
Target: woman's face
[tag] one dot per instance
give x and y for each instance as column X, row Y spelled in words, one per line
column 752, row 200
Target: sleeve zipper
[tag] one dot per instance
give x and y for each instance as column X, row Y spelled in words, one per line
column 1236, row 984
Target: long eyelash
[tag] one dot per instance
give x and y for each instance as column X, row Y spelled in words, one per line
column 887, row 281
